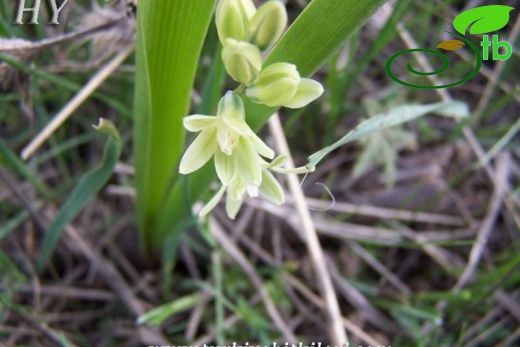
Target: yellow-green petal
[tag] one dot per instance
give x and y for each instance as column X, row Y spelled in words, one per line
column 278, row 161
column 268, row 24
column 199, row 152
column 237, row 188
column 232, row 18
column 260, row 146
column 213, row 202
column 225, row 166
column 232, row 207
column 248, row 163
column 271, row 188
column 231, row 110
column 274, row 85
column 308, row 91
column 198, row 122
column 227, row 138
column 243, row 61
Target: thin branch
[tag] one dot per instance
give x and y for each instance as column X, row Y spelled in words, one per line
column 501, row 188
column 336, row 329
column 76, row 101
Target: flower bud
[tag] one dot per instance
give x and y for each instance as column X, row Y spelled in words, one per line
column 232, row 18
column 243, row 61
column 274, row 85
column 268, row 24
column 308, row 91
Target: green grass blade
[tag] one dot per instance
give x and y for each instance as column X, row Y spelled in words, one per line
column 170, row 35
column 87, row 186
column 62, row 82
column 13, row 162
column 397, row 116
column 317, row 33
column 159, row 314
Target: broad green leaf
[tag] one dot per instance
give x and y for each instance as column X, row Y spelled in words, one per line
column 159, row 314
column 483, row 19
column 170, row 35
column 321, row 29
column 87, row 186
column 396, row 116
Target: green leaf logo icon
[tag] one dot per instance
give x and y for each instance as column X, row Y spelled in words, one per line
column 483, row 19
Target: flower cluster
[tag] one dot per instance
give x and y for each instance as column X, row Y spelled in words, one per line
column 240, row 156
column 244, row 33
column 238, row 153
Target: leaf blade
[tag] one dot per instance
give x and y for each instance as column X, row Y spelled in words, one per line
column 170, row 36
column 88, row 185
column 397, row 116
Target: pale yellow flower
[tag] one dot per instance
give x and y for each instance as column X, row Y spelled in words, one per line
column 280, row 84
column 227, row 136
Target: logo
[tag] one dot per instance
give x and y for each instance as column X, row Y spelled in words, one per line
column 35, row 9
column 479, row 20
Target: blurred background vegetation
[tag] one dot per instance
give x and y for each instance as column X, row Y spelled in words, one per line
column 419, row 223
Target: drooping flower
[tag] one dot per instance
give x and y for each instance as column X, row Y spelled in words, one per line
column 227, row 137
column 274, row 85
column 280, row 84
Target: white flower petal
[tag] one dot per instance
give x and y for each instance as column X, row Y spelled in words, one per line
column 252, row 191
column 199, row 152
column 260, row 146
column 271, row 188
column 198, row 122
column 226, row 167
column 213, row 202
column 248, row 163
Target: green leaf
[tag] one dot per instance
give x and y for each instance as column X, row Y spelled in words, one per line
column 483, row 19
column 396, row 116
column 13, row 162
column 170, row 35
column 159, row 314
column 87, row 186
column 64, row 83
column 383, row 148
